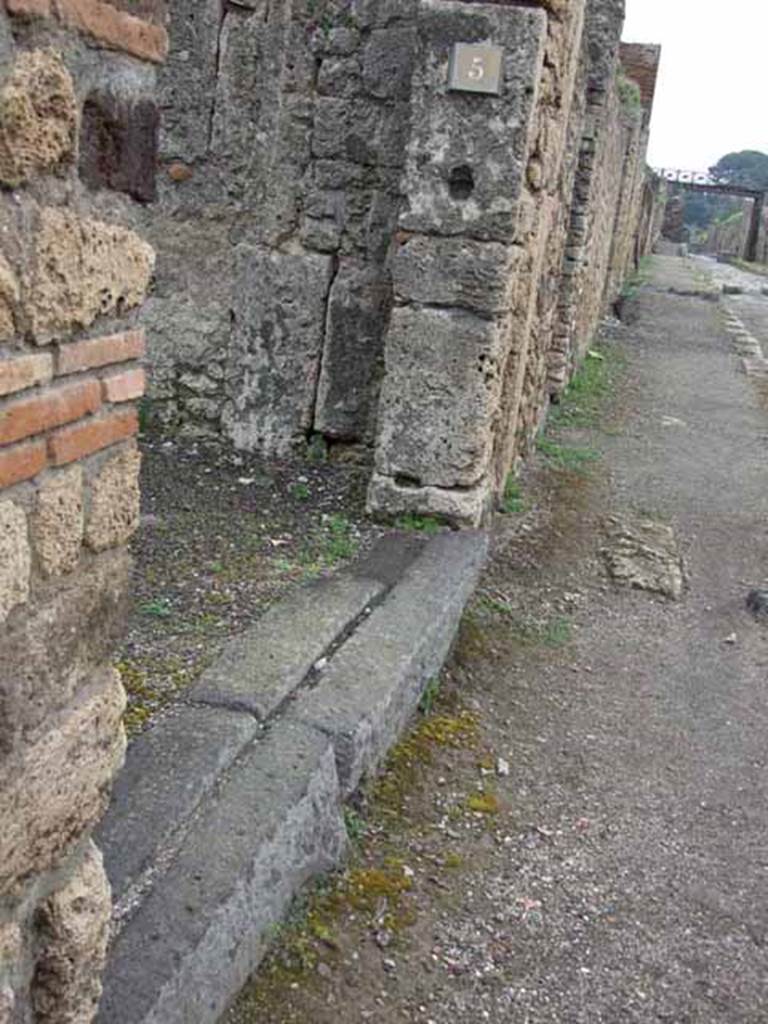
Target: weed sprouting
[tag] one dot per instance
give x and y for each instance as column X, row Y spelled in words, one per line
column 581, row 402
column 552, row 632
column 429, row 696
column 301, row 492
column 512, row 501
column 341, row 544
column 566, row 458
column 158, row 607
column 419, row 524
column 557, row 632
column 354, row 824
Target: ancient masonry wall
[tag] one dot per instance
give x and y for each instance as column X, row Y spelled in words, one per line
column 616, row 204
column 76, row 87
column 282, row 147
column 349, row 252
column 729, row 238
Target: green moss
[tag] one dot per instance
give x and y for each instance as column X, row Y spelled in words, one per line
column 483, row 803
column 453, row 861
column 150, row 685
column 416, row 750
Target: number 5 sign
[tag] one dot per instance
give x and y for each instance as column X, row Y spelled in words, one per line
column 476, row 67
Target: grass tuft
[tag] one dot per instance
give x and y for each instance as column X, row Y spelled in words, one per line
column 512, row 501
column 418, row 524
column 565, row 458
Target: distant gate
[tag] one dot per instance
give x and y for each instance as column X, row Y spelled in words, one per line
column 702, row 181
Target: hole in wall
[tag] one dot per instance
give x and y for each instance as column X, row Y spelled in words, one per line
column 461, row 182
column 403, row 480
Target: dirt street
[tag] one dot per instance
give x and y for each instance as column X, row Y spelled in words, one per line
column 576, row 831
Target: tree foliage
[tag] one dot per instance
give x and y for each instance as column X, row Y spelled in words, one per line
column 748, row 169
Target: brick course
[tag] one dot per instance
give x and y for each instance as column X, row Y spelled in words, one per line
column 107, row 25
column 81, row 439
column 124, row 386
column 22, row 462
column 22, row 372
column 95, row 352
column 26, row 417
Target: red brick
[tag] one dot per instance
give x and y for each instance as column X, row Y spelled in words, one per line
column 26, row 417
column 30, row 8
column 115, row 28
column 25, row 371
column 21, row 462
column 125, row 386
column 112, row 348
column 82, row 439
column 640, row 62
column 112, row 27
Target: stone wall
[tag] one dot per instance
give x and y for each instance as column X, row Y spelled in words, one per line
column 616, row 204
column 730, row 237
column 76, row 88
column 282, row 148
column 480, row 337
column 292, row 132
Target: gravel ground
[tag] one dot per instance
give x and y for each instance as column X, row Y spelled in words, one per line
column 576, row 832
column 222, row 537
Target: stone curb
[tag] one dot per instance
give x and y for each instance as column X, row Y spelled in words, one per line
column 221, row 817
column 271, row 824
column 370, row 689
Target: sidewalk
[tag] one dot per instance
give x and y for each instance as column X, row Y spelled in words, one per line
column 597, row 852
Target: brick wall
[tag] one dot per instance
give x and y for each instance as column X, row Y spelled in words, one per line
column 72, row 277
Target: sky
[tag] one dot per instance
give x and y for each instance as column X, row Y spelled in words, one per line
column 711, row 96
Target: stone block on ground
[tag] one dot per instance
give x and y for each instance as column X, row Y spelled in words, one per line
column 643, row 554
column 273, row 823
column 374, row 683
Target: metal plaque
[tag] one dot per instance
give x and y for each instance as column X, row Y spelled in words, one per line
column 476, row 67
